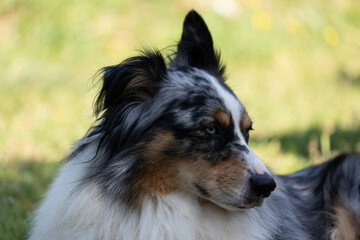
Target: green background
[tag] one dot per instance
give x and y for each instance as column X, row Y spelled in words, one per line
column 294, row 64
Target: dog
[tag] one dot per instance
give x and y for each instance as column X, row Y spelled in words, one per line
column 168, row 158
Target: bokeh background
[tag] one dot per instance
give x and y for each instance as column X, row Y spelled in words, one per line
column 294, row 64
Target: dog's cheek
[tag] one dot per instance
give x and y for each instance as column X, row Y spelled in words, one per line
column 168, row 164
column 157, row 174
column 156, row 181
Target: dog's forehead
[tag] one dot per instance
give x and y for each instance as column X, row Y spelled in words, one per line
column 198, row 81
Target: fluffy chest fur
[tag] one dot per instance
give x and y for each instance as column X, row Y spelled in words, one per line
column 84, row 214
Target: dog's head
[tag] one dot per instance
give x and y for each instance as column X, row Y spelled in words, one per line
column 178, row 127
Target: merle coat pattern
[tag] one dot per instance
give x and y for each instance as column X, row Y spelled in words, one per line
column 168, row 158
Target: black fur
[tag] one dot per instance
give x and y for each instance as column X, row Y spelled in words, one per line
column 196, row 48
column 126, row 92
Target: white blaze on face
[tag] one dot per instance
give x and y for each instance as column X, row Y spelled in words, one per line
column 256, row 163
column 237, row 109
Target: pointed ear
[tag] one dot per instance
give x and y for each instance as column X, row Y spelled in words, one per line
column 134, row 80
column 196, row 46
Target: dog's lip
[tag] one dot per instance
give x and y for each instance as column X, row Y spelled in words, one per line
column 254, row 204
column 248, row 206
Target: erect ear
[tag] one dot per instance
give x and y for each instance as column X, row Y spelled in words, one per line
column 196, row 47
column 134, row 80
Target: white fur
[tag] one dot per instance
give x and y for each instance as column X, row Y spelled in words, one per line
column 69, row 212
column 237, row 109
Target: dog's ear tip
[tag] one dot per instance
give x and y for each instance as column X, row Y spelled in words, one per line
column 193, row 14
column 195, row 30
column 193, row 17
column 196, row 47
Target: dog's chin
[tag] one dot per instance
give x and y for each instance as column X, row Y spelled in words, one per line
column 244, row 206
column 241, row 206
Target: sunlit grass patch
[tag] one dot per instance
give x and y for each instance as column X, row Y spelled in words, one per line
column 23, row 183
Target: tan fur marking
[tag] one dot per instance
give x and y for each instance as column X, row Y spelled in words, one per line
column 345, row 226
column 158, row 176
column 159, row 181
column 245, row 122
column 222, row 117
column 217, row 178
column 230, row 173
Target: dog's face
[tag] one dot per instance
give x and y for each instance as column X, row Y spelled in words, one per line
column 185, row 127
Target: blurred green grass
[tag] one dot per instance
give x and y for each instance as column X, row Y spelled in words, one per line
column 294, row 64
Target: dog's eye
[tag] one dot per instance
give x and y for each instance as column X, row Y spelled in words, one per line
column 247, row 134
column 211, row 130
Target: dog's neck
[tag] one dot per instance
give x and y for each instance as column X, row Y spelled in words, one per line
column 184, row 216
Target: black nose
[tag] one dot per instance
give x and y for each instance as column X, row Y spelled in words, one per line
column 262, row 185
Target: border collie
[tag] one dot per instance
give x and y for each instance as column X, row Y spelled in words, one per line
column 168, row 158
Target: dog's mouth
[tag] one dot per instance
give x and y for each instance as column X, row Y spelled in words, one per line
column 247, row 206
column 257, row 203
column 230, row 202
